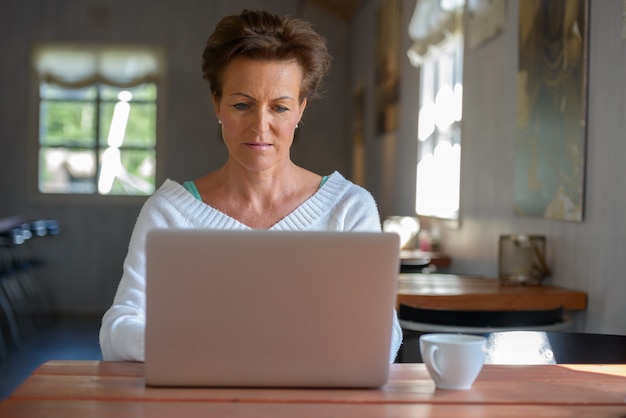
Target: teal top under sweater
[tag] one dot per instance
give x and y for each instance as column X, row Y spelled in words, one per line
column 191, row 187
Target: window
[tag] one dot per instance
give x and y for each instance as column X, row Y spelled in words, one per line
column 436, row 28
column 439, row 135
column 97, row 120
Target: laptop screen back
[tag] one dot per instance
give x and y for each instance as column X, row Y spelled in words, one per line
column 267, row 308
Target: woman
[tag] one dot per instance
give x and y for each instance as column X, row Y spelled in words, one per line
column 262, row 70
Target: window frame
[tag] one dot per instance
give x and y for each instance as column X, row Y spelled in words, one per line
column 33, row 141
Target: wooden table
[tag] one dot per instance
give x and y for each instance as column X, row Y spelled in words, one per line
column 415, row 258
column 115, row 389
column 454, row 292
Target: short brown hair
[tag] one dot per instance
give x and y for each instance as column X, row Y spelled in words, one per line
column 265, row 36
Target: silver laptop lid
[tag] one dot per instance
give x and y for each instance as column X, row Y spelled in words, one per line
column 267, row 308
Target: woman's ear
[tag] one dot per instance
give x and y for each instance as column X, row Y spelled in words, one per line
column 302, row 107
column 216, row 108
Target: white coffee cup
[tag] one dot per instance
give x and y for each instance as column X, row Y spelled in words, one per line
column 453, row 360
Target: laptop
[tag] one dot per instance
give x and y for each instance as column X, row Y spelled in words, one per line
column 269, row 309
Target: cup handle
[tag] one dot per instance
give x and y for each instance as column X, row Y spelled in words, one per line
column 432, row 352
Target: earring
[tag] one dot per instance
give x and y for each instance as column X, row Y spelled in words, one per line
column 297, row 125
column 219, row 121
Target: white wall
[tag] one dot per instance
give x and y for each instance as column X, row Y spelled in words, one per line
column 84, row 263
column 587, row 256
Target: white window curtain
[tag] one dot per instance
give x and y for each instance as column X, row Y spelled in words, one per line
column 78, row 66
column 434, row 26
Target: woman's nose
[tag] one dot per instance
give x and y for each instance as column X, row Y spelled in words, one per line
column 260, row 123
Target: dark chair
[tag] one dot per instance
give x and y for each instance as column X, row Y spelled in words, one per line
column 418, row 321
column 483, row 319
column 538, row 347
column 582, row 348
column 24, row 304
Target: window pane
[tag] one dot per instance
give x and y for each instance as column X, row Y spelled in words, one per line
column 127, row 172
column 51, row 91
column 64, row 170
column 128, row 124
column 107, row 135
column 67, row 123
column 141, row 129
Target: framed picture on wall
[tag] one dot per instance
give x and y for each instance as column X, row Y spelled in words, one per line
column 551, row 133
column 388, row 52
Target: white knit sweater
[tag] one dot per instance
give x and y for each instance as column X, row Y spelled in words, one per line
column 338, row 205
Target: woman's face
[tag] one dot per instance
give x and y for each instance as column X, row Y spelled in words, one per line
column 260, row 109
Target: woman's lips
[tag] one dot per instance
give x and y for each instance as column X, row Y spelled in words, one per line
column 259, row 146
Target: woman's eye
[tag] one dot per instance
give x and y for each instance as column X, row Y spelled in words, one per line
column 280, row 109
column 241, row 106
